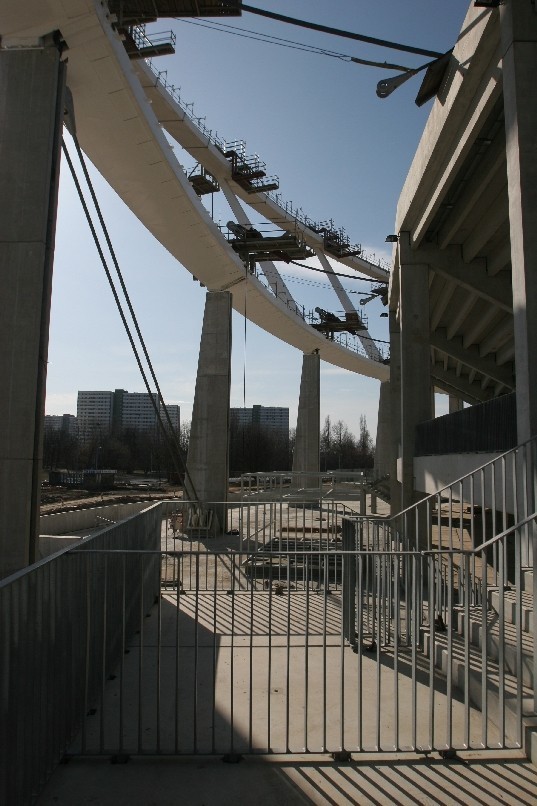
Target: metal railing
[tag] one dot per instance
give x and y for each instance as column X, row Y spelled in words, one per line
column 287, row 207
column 486, row 427
column 292, row 651
column 64, row 623
column 475, row 507
column 303, row 628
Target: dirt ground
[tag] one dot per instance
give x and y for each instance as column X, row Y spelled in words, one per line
column 60, row 499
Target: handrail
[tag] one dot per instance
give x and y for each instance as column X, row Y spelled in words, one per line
column 490, row 542
column 462, row 478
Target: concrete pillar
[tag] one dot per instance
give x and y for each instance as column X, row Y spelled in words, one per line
column 518, row 21
column 31, row 112
column 208, row 451
column 383, row 443
column 306, row 457
column 455, row 404
column 373, row 503
column 519, row 46
column 395, row 413
column 415, row 359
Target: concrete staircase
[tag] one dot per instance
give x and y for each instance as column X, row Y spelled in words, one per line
column 507, row 672
column 381, row 487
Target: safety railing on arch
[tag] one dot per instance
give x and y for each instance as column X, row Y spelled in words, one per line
column 287, row 207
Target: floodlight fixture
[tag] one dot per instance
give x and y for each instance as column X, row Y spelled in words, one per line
column 388, row 85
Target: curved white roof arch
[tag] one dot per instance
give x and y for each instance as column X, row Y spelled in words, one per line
column 120, row 110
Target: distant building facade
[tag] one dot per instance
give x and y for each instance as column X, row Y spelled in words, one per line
column 100, row 413
column 270, row 417
column 66, row 424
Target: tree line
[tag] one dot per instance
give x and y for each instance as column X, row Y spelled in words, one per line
column 252, row 448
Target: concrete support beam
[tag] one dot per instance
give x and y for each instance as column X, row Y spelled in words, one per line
column 208, row 451
column 416, row 387
column 395, row 412
column 455, row 404
column 306, row 457
column 462, row 386
column 489, row 167
column 518, row 22
column 471, row 275
column 31, row 113
column 471, row 357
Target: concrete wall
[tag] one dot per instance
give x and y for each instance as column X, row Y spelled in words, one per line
column 66, row 523
column 433, row 473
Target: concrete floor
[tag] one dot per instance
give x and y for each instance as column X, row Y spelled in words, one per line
column 276, row 668
column 472, row 778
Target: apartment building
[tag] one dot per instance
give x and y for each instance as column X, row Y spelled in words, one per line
column 271, row 417
column 100, row 412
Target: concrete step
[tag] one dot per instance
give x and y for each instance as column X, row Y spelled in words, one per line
column 527, row 581
column 501, row 690
column 496, row 643
column 510, row 607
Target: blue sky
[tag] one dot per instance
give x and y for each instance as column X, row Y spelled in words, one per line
column 340, row 153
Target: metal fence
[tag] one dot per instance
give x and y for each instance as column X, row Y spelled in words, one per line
column 304, row 628
column 489, row 426
column 332, row 653
column 63, row 626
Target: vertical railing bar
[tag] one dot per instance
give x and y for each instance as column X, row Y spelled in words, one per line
column 288, row 663
column 501, row 644
column 396, row 637
column 104, row 653
column 518, row 635
column 178, row 581
column 325, row 715
column 434, row 564
column 214, row 652
column 269, row 670
column 467, row 638
column 342, row 671
column 484, row 693
column 414, row 640
column 140, row 657
column 450, row 520
column 232, row 666
column 306, row 649
column 251, row 665
column 359, row 648
column 377, row 637
column 123, row 649
column 449, row 686
column 196, row 648
column 90, row 574
column 159, row 658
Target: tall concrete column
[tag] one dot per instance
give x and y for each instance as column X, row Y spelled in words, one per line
column 455, row 404
column 519, row 46
column 208, row 451
column 31, row 112
column 306, row 457
column 395, row 413
column 383, row 443
column 416, row 405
